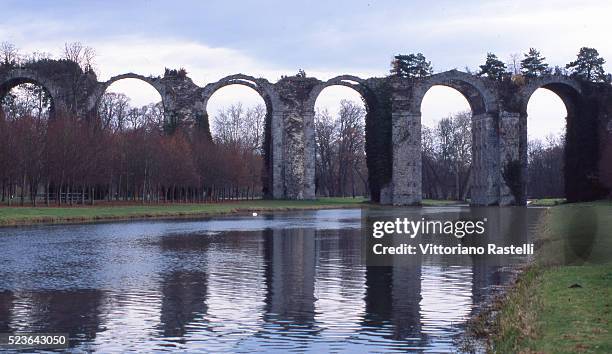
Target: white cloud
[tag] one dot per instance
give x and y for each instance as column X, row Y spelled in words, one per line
column 360, row 42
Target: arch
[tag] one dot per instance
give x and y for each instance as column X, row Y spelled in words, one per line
column 149, row 80
column 357, row 175
column 261, row 86
column 21, row 76
column 273, row 127
column 481, row 95
column 568, row 89
column 570, row 92
column 94, row 99
column 481, row 98
column 431, row 109
column 349, row 81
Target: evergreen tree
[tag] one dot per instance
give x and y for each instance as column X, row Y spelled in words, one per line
column 533, row 64
column 588, row 65
column 411, row 66
column 493, row 67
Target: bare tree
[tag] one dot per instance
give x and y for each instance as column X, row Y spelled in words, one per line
column 447, row 151
column 545, row 163
column 325, row 136
column 9, row 55
column 514, row 63
column 340, row 151
column 253, row 127
column 236, row 125
column 82, row 55
column 113, row 111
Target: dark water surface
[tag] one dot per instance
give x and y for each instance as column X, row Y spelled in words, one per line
column 278, row 282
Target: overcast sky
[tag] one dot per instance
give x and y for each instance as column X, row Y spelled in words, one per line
column 212, row 39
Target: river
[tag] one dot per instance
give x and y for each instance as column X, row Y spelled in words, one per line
column 277, row 282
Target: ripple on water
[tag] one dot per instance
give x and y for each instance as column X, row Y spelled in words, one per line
column 276, row 283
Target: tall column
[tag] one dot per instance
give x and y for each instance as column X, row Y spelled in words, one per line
column 485, row 160
column 297, row 142
column 294, row 154
column 277, row 152
column 309, row 154
column 406, row 157
column 511, row 183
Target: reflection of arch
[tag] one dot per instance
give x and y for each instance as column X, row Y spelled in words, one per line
column 566, row 88
column 17, row 77
column 481, row 98
column 350, row 81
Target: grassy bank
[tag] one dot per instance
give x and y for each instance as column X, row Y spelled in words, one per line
column 16, row 215
column 31, row 215
column 565, row 309
column 546, row 201
column 563, row 302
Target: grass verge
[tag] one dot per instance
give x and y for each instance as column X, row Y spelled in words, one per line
column 31, row 215
column 546, row 201
column 17, row 215
column 562, row 302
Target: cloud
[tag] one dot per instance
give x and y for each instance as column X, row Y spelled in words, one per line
column 215, row 39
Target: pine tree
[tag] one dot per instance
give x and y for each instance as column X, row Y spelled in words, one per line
column 533, row 64
column 493, row 67
column 588, row 65
column 411, row 66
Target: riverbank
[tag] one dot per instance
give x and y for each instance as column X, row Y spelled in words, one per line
column 133, row 211
column 562, row 302
column 104, row 211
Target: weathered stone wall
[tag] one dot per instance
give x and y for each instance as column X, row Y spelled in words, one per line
column 64, row 80
column 298, row 137
column 485, row 160
column 393, row 125
column 511, row 191
column 406, row 138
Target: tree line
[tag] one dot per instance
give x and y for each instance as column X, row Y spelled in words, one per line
column 125, row 156
column 588, row 66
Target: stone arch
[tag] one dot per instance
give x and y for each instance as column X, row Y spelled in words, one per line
column 273, row 134
column 94, row 99
column 407, row 166
column 353, row 82
column 481, row 98
column 349, row 81
column 20, row 76
column 568, row 89
column 261, row 86
column 579, row 138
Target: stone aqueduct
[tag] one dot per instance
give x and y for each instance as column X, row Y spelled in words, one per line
column 393, row 125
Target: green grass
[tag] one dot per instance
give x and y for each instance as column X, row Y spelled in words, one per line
column 546, row 201
column 439, row 202
column 30, row 215
column 543, row 312
column 16, row 215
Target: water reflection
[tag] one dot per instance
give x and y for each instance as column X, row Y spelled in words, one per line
column 295, row 281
